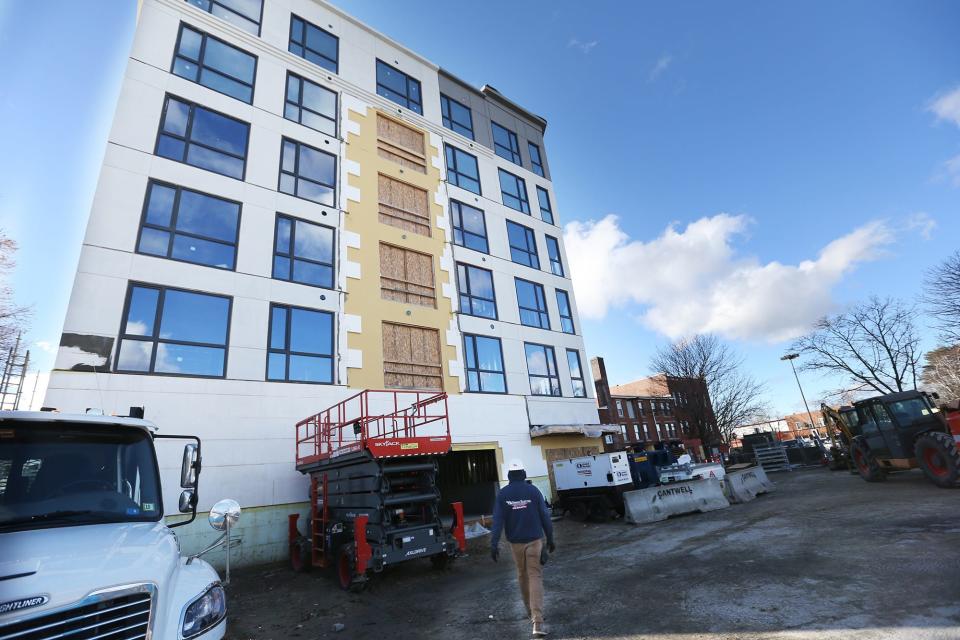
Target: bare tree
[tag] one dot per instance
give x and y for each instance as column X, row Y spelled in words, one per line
column 874, row 346
column 942, row 297
column 13, row 318
column 735, row 397
column 941, row 372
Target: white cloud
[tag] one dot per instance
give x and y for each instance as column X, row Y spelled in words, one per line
column 923, row 223
column 692, row 280
column 660, row 66
column 46, row 346
column 947, row 107
column 584, row 47
column 950, row 171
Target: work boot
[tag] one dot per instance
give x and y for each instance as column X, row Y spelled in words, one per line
column 539, row 630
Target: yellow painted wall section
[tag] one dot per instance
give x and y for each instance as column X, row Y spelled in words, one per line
column 363, row 294
column 566, row 442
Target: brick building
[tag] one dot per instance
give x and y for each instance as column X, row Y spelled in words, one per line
column 657, row 410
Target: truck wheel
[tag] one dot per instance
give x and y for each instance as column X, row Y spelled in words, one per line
column 939, row 458
column 579, row 511
column 346, row 575
column 866, row 463
column 300, row 555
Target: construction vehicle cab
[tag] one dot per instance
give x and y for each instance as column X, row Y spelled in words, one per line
column 900, row 431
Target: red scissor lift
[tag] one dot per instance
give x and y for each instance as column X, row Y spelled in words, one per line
column 372, row 461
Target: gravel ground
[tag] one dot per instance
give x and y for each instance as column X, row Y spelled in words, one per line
column 826, row 556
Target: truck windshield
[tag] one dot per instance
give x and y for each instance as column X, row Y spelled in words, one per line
column 66, row 474
column 907, row 412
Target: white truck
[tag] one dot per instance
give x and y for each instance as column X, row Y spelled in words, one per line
column 592, row 486
column 84, row 551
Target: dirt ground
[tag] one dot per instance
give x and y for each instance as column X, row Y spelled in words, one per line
column 826, row 556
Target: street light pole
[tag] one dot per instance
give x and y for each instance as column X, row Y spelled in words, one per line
column 791, row 357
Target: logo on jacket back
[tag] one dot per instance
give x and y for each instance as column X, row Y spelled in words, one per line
column 518, row 504
column 23, row 603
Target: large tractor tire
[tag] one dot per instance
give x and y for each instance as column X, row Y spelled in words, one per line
column 347, row 576
column 939, row 458
column 865, row 462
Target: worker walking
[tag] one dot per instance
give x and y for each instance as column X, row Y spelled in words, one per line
column 521, row 512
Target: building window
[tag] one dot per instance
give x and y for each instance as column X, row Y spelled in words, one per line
column 303, row 252
column 174, row 332
column 469, row 227
column 403, row 205
column 477, row 297
column 203, row 138
column 312, row 43
column 484, row 358
column 401, row 144
column 182, row 224
column 300, row 345
column 523, row 245
column 553, row 252
column 566, row 315
column 311, row 105
column 576, row 379
column 542, row 370
column 505, row 143
column 245, row 14
column 536, row 161
column 620, row 411
column 513, row 192
column 206, row 60
column 307, row 173
column 456, row 116
column 532, row 303
column 411, row 357
column 546, row 211
column 462, row 170
column 630, row 410
column 397, row 86
column 407, row 276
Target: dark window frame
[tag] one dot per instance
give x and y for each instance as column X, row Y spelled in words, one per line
column 453, row 169
column 292, row 257
column 531, row 239
column 543, row 314
column 172, row 228
column 301, row 106
column 204, row 36
column 155, row 340
column 462, row 230
column 220, row 4
column 523, row 197
column 476, row 358
column 536, row 165
column 583, row 381
column 556, row 262
column 548, row 209
column 513, row 152
column 418, row 106
column 193, row 106
column 288, row 353
column 566, row 297
column 556, row 375
column 303, row 44
column 297, row 177
column 469, row 294
column 446, row 116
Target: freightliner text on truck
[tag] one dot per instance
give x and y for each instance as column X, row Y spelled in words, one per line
column 84, row 551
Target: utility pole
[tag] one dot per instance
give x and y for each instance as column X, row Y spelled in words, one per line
column 791, row 357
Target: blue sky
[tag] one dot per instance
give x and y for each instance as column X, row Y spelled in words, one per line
column 804, row 123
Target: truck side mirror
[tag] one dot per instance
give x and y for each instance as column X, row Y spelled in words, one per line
column 224, row 514
column 188, row 469
column 188, row 501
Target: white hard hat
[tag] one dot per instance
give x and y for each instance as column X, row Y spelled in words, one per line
column 515, row 465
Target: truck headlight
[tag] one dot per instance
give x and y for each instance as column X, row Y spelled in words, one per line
column 204, row 612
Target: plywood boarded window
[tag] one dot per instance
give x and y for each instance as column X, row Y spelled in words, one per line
column 401, row 144
column 411, row 357
column 406, row 276
column 403, row 205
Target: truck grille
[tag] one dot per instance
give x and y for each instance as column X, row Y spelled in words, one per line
column 112, row 615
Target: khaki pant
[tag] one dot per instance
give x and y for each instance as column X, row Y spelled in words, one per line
column 526, row 555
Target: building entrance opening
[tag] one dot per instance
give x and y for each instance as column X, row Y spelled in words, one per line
column 470, row 477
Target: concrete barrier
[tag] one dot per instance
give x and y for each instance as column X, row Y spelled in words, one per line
column 746, row 484
column 659, row 503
